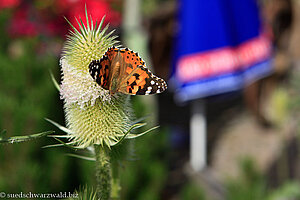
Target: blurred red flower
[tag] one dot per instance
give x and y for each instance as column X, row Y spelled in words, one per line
column 9, row 3
column 20, row 25
column 30, row 19
column 96, row 8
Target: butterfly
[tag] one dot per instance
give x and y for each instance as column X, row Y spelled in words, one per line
column 122, row 70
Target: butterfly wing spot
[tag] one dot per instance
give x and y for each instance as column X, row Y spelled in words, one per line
column 136, row 76
column 133, row 84
column 140, row 76
column 149, row 89
column 129, row 69
column 133, row 89
column 131, row 80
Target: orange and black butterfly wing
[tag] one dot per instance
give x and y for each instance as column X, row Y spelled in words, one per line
column 99, row 70
column 130, row 59
column 143, row 82
column 135, row 78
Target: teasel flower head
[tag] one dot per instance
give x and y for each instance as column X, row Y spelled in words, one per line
column 92, row 115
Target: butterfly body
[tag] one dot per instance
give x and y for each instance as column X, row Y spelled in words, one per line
column 122, row 70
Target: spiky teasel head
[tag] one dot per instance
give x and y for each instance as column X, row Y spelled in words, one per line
column 92, row 116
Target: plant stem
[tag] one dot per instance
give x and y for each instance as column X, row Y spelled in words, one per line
column 115, row 184
column 103, row 172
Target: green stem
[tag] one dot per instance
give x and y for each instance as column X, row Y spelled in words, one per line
column 103, row 172
column 115, row 184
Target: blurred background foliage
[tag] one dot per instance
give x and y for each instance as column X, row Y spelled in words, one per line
column 27, row 96
column 32, row 34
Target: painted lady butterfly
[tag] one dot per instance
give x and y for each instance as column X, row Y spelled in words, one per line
column 122, row 70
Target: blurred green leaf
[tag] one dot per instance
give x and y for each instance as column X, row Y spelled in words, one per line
column 54, row 81
column 62, row 143
column 287, row 191
column 132, row 136
column 82, row 157
column 64, row 129
column 18, row 139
